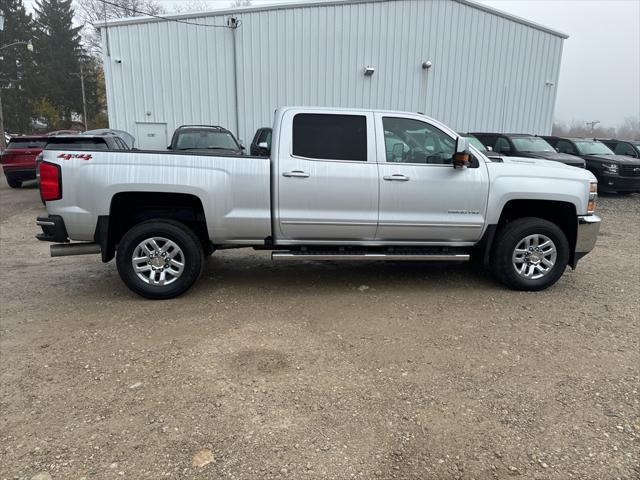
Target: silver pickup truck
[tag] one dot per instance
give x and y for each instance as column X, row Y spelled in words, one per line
column 338, row 185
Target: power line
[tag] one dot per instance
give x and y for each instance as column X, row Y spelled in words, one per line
column 168, row 19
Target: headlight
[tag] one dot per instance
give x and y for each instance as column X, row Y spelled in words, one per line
column 611, row 168
column 593, row 196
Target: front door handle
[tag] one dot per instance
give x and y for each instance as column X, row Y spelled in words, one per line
column 296, row 173
column 396, row 177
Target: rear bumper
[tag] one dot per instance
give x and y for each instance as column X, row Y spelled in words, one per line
column 588, row 228
column 53, row 229
column 616, row 183
column 19, row 173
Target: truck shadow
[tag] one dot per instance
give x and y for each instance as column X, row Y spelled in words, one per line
column 252, row 272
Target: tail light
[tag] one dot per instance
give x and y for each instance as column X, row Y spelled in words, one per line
column 50, row 181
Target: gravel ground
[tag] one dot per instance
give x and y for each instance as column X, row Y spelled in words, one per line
column 318, row 371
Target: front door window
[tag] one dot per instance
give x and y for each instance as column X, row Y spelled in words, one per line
column 412, row 141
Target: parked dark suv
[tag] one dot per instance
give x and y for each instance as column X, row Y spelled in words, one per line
column 623, row 147
column 615, row 173
column 524, row 145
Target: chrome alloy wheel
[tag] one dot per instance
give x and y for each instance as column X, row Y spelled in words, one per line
column 534, row 256
column 158, row 261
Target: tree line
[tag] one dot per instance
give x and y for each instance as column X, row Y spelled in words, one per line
column 629, row 129
column 45, row 56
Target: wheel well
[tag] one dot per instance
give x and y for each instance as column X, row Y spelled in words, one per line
column 130, row 208
column 563, row 214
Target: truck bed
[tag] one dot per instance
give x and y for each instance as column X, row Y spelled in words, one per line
column 234, row 190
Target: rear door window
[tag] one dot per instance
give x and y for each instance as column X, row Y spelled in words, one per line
column 330, row 137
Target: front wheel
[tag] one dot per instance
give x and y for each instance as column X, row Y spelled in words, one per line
column 159, row 259
column 530, row 254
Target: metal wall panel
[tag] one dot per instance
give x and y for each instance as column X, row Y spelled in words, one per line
column 489, row 72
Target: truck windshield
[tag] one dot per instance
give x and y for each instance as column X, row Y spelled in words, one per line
column 586, row 147
column 531, row 144
column 204, row 140
column 478, row 144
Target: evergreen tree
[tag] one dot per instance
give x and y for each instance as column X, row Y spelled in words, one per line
column 57, row 53
column 96, row 95
column 16, row 66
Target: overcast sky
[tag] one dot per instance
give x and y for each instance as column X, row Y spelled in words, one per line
column 600, row 73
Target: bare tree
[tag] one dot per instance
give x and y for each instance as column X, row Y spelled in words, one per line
column 191, row 6
column 628, row 130
column 240, row 3
column 94, row 13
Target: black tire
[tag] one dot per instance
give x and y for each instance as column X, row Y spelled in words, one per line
column 13, row 182
column 510, row 236
column 178, row 233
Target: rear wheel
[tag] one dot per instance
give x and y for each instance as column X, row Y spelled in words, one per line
column 530, row 254
column 13, row 182
column 159, row 259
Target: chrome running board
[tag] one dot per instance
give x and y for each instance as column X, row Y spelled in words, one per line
column 350, row 256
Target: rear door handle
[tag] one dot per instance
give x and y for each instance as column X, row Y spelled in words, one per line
column 396, row 177
column 296, row 173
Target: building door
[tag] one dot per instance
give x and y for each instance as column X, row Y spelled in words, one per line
column 151, row 136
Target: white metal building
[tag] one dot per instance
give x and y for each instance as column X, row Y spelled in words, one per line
column 489, row 70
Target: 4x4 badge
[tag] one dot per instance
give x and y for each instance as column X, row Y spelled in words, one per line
column 81, row 156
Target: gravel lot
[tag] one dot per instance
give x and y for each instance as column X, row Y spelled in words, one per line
column 316, row 370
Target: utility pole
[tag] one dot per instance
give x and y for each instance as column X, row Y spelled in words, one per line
column 592, row 125
column 84, row 99
column 2, row 139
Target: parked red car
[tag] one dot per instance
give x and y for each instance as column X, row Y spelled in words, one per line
column 19, row 158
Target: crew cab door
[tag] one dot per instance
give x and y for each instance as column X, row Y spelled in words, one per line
column 327, row 177
column 422, row 197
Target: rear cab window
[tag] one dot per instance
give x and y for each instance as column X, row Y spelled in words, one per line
column 77, row 143
column 324, row 136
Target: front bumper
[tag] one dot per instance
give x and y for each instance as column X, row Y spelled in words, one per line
column 588, row 228
column 616, row 183
column 53, row 229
